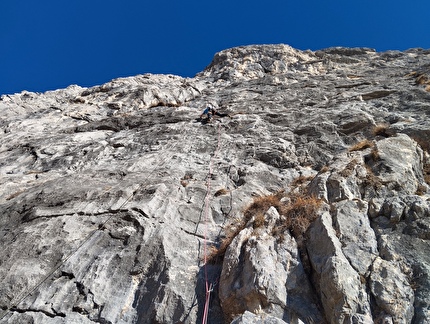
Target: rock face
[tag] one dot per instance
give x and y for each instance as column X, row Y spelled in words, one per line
column 118, row 206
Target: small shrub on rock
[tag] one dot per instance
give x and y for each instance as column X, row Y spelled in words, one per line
column 261, row 204
column 299, row 213
column 297, row 210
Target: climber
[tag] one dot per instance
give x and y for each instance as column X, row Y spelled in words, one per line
column 209, row 112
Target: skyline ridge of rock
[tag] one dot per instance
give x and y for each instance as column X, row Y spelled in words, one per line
column 311, row 199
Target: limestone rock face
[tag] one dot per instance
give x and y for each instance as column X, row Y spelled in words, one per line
column 117, row 205
column 261, row 272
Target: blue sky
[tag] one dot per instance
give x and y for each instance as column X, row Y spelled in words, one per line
column 47, row 44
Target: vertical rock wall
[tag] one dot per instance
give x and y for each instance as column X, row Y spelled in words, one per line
column 112, row 197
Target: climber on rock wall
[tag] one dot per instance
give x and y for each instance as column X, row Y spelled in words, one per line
column 210, row 112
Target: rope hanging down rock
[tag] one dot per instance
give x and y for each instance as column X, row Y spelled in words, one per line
column 208, row 286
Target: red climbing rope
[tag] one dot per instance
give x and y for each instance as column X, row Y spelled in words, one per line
column 208, row 286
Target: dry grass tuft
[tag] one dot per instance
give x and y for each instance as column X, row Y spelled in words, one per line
column 221, row 192
column 261, row 204
column 299, row 214
column 422, row 79
column 422, row 142
column 298, row 210
column 349, row 169
column 364, row 144
column 255, row 210
column 259, row 221
column 379, row 129
column 371, row 179
column 421, row 190
column 382, row 130
column 426, row 172
column 216, row 254
column 375, row 154
column 325, row 168
column 301, row 180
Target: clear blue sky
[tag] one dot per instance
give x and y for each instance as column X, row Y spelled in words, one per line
column 47, row 44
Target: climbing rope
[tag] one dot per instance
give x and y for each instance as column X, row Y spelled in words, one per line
column 208, row 286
